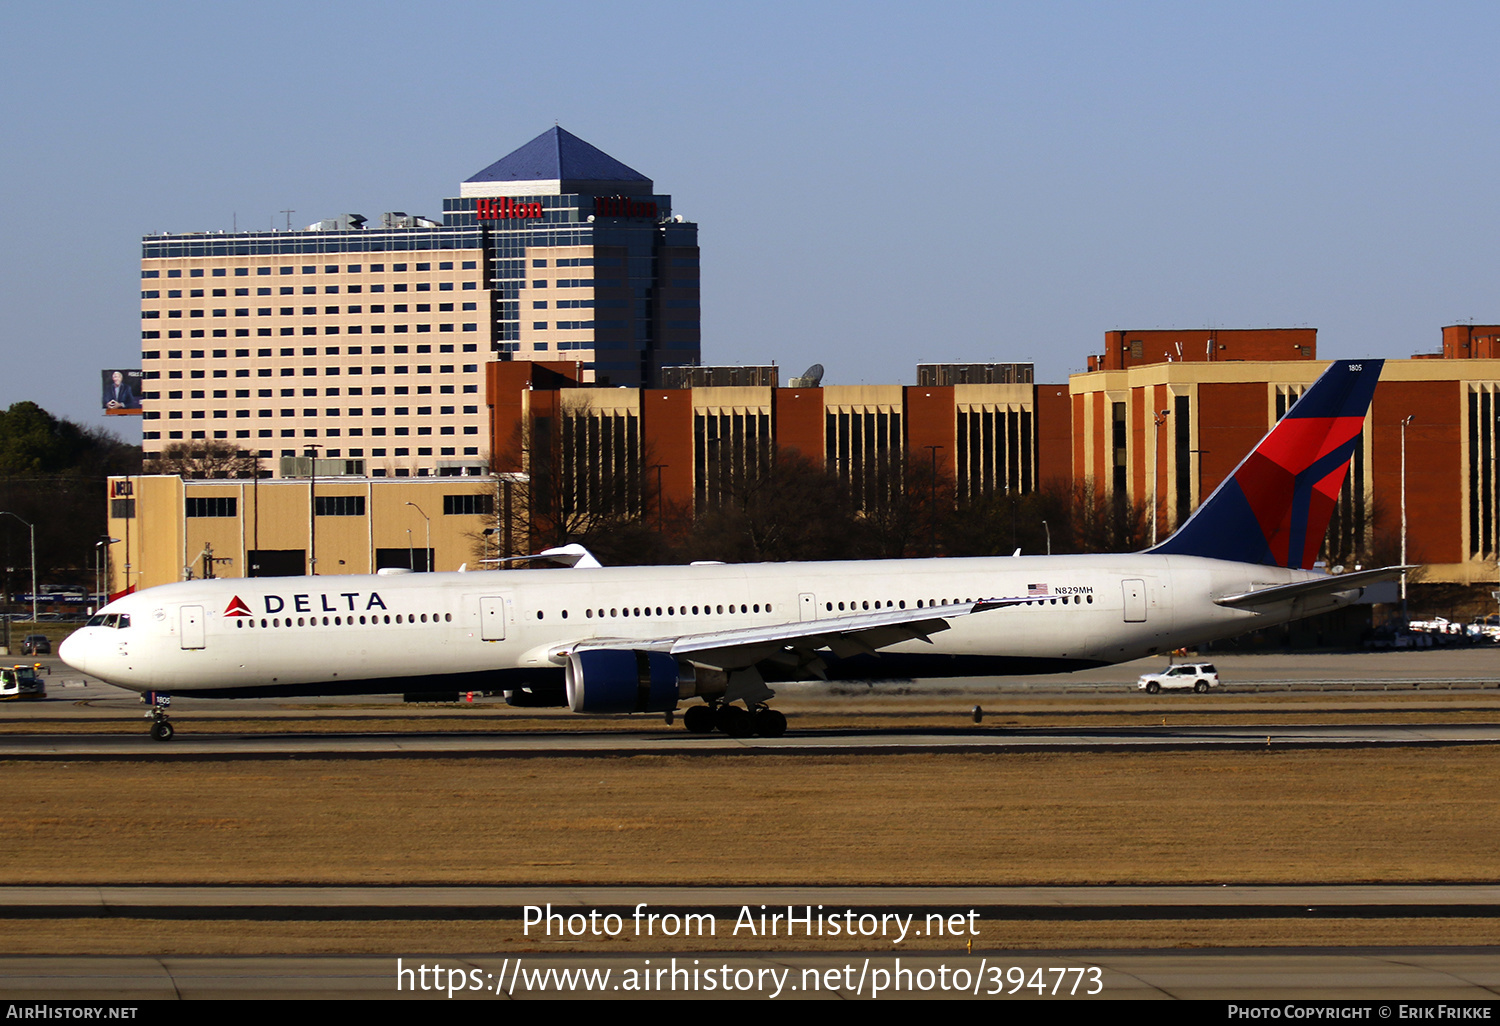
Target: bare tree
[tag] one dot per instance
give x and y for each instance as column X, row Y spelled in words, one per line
column 788, row 510
column 587, row 481
column 910, row 513
column 203, row 460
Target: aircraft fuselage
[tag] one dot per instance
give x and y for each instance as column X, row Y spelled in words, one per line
column 488, row 630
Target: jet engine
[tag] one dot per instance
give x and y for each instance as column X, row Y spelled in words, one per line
column 623, row 681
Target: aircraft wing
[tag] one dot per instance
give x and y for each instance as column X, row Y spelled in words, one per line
column 797, row 643
column 1331, row 585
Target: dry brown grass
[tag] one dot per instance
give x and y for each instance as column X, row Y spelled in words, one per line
column 1061, row 818
column 115, row 936
column 1402, row 815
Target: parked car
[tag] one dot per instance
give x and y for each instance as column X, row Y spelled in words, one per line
column 1485, row 627
column 1198, row 676
column 36, row 644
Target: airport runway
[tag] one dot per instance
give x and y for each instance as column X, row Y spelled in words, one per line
column 484, row 728
column 186, row 745
column 992, row 903
column 1375, row 976
column 1367, row 974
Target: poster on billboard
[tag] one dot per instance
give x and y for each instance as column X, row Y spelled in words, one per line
column 122, row 391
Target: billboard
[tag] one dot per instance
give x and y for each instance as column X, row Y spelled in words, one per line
column 122, row 392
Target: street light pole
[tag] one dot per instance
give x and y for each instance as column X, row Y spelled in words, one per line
column 932, row 500
column 1408, row 420
column 32, row 528
column 1160, row 419
column 427, row 559
column 252, row 566
column 100, row 552
column 658, row 468
column 312, row 504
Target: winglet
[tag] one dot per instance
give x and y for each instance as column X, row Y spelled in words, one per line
column 1274, row 509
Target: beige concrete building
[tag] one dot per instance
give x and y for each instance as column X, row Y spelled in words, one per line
column 702, row 442
column 170, row 529
column 1174, row 431
column 377, row 361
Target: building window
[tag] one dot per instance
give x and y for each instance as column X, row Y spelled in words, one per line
column 213, row 506
column 339, row 506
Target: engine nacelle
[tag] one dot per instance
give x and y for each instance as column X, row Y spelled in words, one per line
column 624, row 681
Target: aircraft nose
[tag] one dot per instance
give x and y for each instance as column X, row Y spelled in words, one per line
column 77, row 650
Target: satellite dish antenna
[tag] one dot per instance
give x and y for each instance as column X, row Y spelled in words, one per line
column 811, row 378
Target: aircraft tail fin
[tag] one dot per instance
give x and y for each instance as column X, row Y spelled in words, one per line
column 1274, row 509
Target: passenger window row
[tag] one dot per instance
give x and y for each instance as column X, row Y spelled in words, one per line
column 622, row 612
column 343, row 621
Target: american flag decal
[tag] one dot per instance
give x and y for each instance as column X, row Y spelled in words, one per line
column 1033, row 590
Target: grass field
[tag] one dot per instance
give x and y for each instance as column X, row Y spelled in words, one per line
column 1326, row 816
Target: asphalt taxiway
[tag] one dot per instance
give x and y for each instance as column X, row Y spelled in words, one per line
column 1366, row 974
column 679, row 742
column 1375, row 976
column 110, row 723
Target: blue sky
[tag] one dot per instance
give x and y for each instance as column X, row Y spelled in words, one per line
column 876, row 184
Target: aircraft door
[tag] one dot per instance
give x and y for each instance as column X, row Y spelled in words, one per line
column 492, row 616
column 807, row 605
column 192, row 634
column 1135, row 601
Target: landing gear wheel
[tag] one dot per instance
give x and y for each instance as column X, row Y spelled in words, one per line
column 769, row 722
column 160, row 702
column 698, row 719
column 1201, row 687
column 1152, row 687
column 734, row 721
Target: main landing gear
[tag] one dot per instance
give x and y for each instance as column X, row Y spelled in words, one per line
column 732, row 720
column 161, row 723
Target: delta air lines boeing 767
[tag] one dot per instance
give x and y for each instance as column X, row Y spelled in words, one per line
column 644, row 639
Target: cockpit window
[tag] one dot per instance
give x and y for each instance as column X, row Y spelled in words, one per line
column 116, row 620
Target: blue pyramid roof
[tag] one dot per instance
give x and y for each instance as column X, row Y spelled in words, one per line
column 557, row 155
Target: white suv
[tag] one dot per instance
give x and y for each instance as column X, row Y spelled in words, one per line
column 1198, row 676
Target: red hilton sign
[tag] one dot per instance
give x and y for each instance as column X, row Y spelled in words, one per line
column 505, row 208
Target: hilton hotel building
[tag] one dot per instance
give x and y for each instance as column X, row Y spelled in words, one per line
column 366, row 343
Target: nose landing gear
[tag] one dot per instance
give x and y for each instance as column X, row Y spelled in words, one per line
column 161, row 723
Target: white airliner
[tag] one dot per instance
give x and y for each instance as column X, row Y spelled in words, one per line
column 643, row 639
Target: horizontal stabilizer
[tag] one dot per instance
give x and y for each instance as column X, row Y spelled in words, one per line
column 1332, row 585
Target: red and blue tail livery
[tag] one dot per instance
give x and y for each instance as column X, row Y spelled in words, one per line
column 1274, row 509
